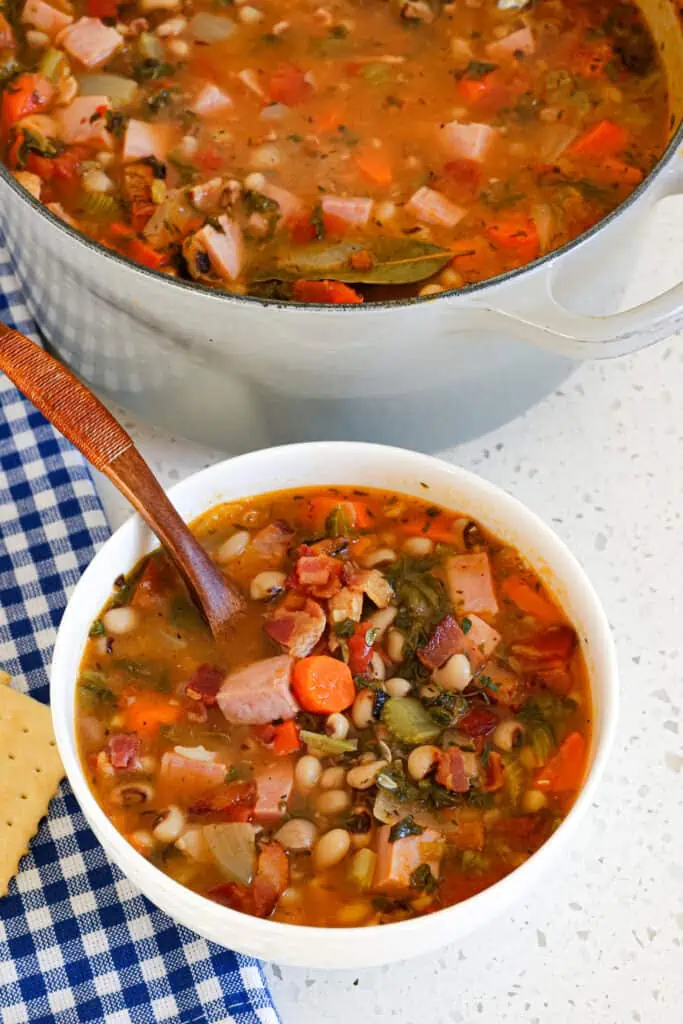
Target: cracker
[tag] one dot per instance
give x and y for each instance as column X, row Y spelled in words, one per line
column 30, row 771
column 5, row 678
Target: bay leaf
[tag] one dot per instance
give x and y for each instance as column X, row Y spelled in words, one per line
column 394, row 261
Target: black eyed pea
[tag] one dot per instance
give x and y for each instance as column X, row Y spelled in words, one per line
column 455, row 675
column 423, row 760
column 337, row 726
column 170, row 825
column 118, row 621
column 418, row 547
column 363, row 706
column 234, row 546
column 297, row 834
column 508, row 734
column 332, row 802
column 363, row 776
column 266, row 585
column 307, row 772
column 397, row 687
column 395, row 644
column 333, row 778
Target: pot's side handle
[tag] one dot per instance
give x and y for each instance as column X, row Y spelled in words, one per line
column 537, row 316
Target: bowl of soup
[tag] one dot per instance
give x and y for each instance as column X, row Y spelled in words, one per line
column 403, row 730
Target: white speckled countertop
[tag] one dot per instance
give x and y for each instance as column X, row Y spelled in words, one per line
column 600, row 941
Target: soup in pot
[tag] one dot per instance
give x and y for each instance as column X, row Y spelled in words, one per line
column 400, row 718
column 330, row 151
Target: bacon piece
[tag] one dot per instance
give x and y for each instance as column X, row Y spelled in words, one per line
column 156, row 580
column 451, row 771
column 274, row 783
column 260, row 898
column 507, row 687
column 494, row 773
column 234, row 802
column 45, row 17
column 204, row 683
column 85, row 121
column 259, row 693
column 318, row 575
column 370, row 582
column 396, row 861
column 188, row 779
column 274, row 539
column 299, row 630
column 554, row 645
column 470, row 583
column 478, row 721
column 90, row 42
column 124, row 750
column 445, row 641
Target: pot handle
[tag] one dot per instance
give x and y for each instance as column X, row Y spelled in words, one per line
column 537, row 316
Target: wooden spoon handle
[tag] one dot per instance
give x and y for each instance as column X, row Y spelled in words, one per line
column 84, row 420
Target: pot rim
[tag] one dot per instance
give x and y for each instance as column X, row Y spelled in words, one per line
column 228, row 298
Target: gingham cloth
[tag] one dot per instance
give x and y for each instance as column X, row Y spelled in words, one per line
column 77, row 941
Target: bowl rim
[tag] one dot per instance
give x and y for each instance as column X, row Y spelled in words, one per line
column 500, row 894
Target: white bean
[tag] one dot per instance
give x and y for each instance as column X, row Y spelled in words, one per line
column 250, row 15
column 234, row 546
column 394, row 645
column 508, row 734
column 337, row 726
column 455, row 674
column 533, row 801
column 290, row 897
column 120, row 620
column 172, row 27
column 331, row 849
column 397, row 687
column 363, row 775
column 382, row 619
column 363, row 706
column 418, row 547
column 307, row 772
column 267, row 584
column 142, row 840
column 255, row 181
column 178, row 47
column 170, row 825
column 332, row 802
column 422, row 760
column 297, row 834
column 332, row 778
column 380, row 556
column 378, row 669
column 266, row 157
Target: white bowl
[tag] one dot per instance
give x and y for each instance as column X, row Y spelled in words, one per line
column 365, row 466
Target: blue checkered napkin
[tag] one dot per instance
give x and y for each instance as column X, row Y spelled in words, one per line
column 77, row 941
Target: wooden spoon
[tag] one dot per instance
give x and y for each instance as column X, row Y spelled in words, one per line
column 82, row 418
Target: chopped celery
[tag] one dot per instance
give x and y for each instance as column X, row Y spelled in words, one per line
column 99, row 204
column 327, row 746
column 361, row 869
column 53, row 64
column 409, row 721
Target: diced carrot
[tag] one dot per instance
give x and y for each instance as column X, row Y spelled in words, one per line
column 605, row 138
column 437, row 528
column 325, row 292
column 147, row 712
column 564, row 771
column 552, row 645
column 516, row 234
column 286, row 739
column 360, row 546
column 26, row 94
column 288, row 85
column 466, row 173
column 617, row 172
column 101, row 8
column 375, row 167
column 356, row 513
column 120, row 230
column 472, row 90
column 145, row 254
column 529, row 600
column 329, row 121
column 323, row 684
column 301, row 229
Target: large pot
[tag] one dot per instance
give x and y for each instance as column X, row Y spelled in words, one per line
column 242, row 373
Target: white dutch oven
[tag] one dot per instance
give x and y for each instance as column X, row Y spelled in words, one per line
column 364, row 466
column 242, row 373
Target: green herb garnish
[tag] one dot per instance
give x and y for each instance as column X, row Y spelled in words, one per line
column 405, row 827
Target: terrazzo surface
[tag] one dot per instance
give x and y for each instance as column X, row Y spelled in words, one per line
column 600, row 940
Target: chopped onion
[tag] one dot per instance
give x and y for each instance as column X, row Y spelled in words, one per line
column 120, row 90
column 543, row 219
column 389, row 810
column 554, row 140
column 274, row 112
column 211, row 28
column 233, row 846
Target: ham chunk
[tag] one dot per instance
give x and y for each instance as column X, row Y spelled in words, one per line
column 451, row 771
column 143, row 140
column 372, row 583
column 274, row 540
column 211, row 100
column 259, row 693
column 84, row 121
column 467, row 141
column 397, row 861
column 45, row 18
column 318, row 575
column 431, row 207
column 355, row 212
column 290, row 205
column 470, row 583
column 90, row 42
column 479, row 642
column 185, row 779
column 124, row 751
column 347, row 604
column 520, row 42
column 299, row 630
column 224, row 247
column 273, row 787
column 204, row 684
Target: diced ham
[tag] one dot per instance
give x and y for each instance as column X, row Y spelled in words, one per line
column 210, row 100
column 467, row 141
column 224, row 247
column 186, row 779
column 445, row 641
column 451, row 771
column 347, row 604
column 479, row 642
column 90, row 42
column 431, row 207
column 353, row 211
column 519, row 42
column 299, row 630
column 124, row 750
column 507, row 687
column 370, row 582
column 273, row 788
column 260, row 898
column 207, row 195
column 470, row 583
column 290, row 205
column 274, row 539
column 143, row 139
column 45, row 17
column 397, row 861
column 204, row 684
column 259, row 693
column 85, row 121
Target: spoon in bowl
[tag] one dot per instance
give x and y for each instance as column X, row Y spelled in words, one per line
column 84, row 420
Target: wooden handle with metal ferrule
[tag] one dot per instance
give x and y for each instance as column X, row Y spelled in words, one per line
column 85, row 421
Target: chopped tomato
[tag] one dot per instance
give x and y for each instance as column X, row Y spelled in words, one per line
column 564, row 771
column 516, row 234
column 209, row 158
column 286, row 739
column 465, row 173
column 302, row 229
column 27, row 94
column 602, row 139
column 288, row 85
column 471, row 90
column 360, row 649
column 324, row 292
